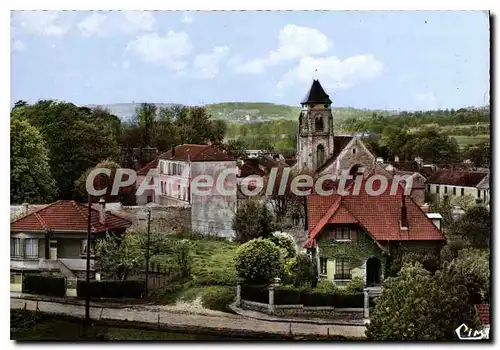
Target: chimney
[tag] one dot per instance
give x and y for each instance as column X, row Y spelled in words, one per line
column 396, row 159
column 404, row 214
column 25, row 208
column 425, row 208
column 102, row 211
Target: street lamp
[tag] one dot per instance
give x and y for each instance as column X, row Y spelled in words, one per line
column 87, row 301
column 147, row 251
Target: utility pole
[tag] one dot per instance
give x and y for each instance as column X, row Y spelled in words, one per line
column 147, row 251
column 87, row 301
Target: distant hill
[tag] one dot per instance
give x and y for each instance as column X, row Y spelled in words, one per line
column 247, row 112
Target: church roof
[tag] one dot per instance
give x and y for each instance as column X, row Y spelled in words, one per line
column 316, row 94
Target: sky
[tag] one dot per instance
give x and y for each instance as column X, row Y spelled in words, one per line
column 377, row 60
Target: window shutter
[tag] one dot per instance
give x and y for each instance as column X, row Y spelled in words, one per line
column 354, row 234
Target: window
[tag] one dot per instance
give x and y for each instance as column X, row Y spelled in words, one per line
column 175, row 169
column 478, row 193
column 342, row 270
column 342, row 234
column 445, row 189
column 84, row 247
column 454, row 191
column 437, row 188
column 429, row 188
column 461, row 191
column 31, row 248
column 15, row 247
column 354, row 151
column 320, row 155
column 149, row 199
column 318, row 124
column 323, row 266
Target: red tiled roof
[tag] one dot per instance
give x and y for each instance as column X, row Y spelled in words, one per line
column 198, row 153
column 151, row 165
column 66, row 216
column 457, row 178
column 379, row 215
column 483, row 311
column 339, row 143
column 251, row 167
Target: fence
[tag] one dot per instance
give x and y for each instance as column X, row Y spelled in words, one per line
column 273, row 300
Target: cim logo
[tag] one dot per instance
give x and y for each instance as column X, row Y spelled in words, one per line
column 466, row 333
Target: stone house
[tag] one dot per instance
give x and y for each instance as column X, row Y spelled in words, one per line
column 455, row 183
column 354, row 235
column 54, row 237
column 175, row 171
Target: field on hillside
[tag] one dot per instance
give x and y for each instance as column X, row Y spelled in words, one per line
column 470, row 140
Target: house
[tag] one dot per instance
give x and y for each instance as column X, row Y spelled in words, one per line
column 323, row 152
column 175, row 171
column 455, row 183
column 54, row 237
column 353, row 235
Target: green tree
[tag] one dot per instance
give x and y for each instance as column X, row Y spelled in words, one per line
column 253, row 220
column 419, row 306
column 30, row 175
column 304, row 271
column 474, row 227
column 75, row 140
column 258, row 261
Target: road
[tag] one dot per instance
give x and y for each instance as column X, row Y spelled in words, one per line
column 222, row 324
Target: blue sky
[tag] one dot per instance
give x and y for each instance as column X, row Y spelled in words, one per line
column 383, row 60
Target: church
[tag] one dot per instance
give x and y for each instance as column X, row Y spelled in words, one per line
column 319, row 150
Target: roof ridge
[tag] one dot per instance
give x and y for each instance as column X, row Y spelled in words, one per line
column 85, row 215
column 34, row 212
column 41, row 221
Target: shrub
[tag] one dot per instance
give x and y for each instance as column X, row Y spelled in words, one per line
column 44, row 285
column 218, row 297
column 112, row 289
column 355, row 285
column 258, row 261
column 285, row 241
column 304, row 271
column 325, row 286
column 287, row 295
column 290, row 295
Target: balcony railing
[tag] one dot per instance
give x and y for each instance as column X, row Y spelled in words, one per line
column 342, row 276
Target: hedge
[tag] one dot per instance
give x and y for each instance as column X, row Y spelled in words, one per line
column 44, row 285
column 259, row 294
column 288, row 295
column 112, row 289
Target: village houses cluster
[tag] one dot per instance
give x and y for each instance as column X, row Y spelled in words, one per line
column 53, row 237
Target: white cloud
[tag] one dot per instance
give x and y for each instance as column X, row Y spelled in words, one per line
column 126, row 22
column 137, row 21
column 18, row 46
column 187, row 18
column 93, row 24
column 426, row 100
column 45, row 23
column 333, row 72
column 294, row 42
column 168, row 50
column 207, row 64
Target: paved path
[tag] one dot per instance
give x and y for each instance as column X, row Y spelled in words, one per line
column 221, row 324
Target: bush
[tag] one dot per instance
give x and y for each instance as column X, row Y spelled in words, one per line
column 258, row 294
column 325, row 286
column 258, row 261
column 285, row 241
column 355, row 285
column 304, row 272
column 112, row 289
column 44, row 285
column 289, row 295
column 218, row 298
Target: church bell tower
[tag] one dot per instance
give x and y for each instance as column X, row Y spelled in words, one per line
column 315, row 134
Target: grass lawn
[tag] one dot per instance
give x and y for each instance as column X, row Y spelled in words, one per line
column 212, row 272
column 470, row 140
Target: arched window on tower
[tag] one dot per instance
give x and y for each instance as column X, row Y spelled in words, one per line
column 320, row 155
column 318, row 124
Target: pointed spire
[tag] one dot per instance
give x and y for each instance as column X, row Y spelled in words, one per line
column 316, row 94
